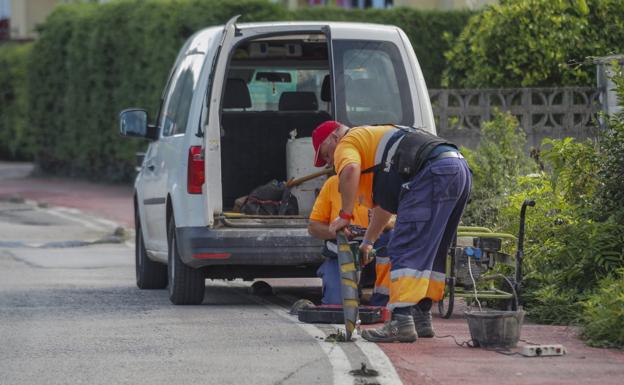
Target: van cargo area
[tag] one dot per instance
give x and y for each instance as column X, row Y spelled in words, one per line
column 277, row 92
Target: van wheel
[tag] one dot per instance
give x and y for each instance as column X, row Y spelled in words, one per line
column 186, row 285
column 149, row 274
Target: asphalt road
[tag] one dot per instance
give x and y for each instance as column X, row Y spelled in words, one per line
column 70, row 313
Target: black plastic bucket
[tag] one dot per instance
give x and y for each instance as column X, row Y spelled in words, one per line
column 495, row 329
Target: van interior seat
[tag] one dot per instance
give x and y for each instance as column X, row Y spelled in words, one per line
column 326, row 89
column 236, row 94
column 298, row 101
column 253, row 143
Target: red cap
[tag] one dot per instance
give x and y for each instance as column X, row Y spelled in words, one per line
column 320, row 133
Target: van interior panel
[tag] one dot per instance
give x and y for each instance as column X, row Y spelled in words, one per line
column 275, row 89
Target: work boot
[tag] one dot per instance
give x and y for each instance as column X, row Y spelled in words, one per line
column 400, row 328
column 422, row 320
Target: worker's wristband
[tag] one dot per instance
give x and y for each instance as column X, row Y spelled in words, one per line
column 344, row 215
column 367, row 242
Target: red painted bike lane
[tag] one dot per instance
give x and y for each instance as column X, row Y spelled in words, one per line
column 427, row 361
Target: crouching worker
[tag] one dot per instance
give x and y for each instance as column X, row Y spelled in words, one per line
column 426, row 182
column 326, row 209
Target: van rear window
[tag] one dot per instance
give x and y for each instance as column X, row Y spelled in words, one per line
column 371, row 83
column 295, row 88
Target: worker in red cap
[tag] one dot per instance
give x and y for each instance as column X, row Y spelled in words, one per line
column 426, row 182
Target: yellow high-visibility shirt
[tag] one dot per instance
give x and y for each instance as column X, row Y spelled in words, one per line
column 359, row 146
column 329, row 202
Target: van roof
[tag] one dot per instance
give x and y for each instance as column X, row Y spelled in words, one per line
column 199, row 39
column 316, row 23
column 286, row 24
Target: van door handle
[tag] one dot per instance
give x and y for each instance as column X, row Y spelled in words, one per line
column 151, row 167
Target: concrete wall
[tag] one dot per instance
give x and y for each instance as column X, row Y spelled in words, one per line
column 604, row 72
column 554, row 112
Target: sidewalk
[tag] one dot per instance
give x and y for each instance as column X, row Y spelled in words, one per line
column 428, row 361
column 113, row 202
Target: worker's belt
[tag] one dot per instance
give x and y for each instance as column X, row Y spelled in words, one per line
column 447, row 154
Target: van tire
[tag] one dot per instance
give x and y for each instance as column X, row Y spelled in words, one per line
column 149, row 274
column 186, row 285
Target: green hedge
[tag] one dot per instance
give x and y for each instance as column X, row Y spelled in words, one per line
column 14, row 143
column 93, row 60
column 535, row 43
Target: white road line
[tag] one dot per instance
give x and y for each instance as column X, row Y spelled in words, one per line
column 64, row 215
column 337, row 357
column 380, row 362
column 378, row 359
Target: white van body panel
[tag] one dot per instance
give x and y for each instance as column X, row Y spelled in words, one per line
column 187, row 206
column 168, row 156
column 418, row 87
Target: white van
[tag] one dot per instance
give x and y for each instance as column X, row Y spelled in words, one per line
column 237, row 96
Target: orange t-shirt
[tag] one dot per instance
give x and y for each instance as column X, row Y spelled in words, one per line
column 359, row 146
column 328, row 204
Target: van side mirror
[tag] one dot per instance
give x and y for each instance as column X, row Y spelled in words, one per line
column 133, row 122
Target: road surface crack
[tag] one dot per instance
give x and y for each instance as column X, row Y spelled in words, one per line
column 284, row 379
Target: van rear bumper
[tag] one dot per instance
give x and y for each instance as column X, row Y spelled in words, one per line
column 203, row 246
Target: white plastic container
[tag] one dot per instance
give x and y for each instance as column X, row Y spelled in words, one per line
column 299, row 163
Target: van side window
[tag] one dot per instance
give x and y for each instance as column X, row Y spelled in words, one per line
column 177, row 103
column 371, row 83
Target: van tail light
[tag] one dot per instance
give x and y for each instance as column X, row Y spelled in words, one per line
column 196, row 177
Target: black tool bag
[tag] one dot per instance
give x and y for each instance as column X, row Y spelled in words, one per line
column 267, row 200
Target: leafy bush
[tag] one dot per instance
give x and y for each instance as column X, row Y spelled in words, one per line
column 575, row 233
column 532, row 42
column 574, row 166
column 603, row 313
column 14, row 143
column 496, row 164
column 566, row 252
column 610, row 199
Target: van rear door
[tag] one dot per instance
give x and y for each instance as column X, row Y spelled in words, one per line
column 374, row 80
column 232, row 36
column 212, row 133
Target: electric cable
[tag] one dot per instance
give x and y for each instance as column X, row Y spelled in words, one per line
column 470, row 344
column 474, row 284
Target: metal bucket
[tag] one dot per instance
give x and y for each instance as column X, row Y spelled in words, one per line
column 495, row 329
